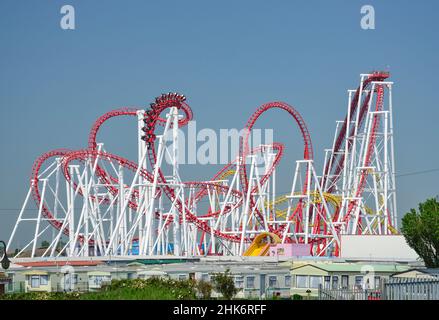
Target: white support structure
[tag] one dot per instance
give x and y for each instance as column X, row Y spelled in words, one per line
column 111, row 206
column 367, row 186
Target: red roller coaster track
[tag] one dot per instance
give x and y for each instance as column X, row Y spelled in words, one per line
column 358, row 151
column 152, row 119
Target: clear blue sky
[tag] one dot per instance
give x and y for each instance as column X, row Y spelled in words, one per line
column 227, row 57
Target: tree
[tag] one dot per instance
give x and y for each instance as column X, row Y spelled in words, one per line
column 59, row 248
column 421, row 231
column 204, row 289
column 45, row 244
column 225, row 285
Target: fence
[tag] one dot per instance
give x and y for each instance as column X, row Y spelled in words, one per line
column 344, row 294
column 81, row 286
column 411, row 289
column 67, row 287
column 393, row 289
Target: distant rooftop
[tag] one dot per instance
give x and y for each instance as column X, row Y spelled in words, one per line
column 356, row 267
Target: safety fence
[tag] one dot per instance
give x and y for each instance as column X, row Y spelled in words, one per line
column 392, row 289
column 411, row 289
column 345, row 294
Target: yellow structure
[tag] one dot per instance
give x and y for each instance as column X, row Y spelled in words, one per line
column 260, row 245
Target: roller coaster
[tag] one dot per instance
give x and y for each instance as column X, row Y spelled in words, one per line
column 91, row 202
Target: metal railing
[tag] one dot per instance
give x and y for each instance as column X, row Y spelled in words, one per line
column 76, row 287
column 411, row 289
column 393, row 289
column 349, row 294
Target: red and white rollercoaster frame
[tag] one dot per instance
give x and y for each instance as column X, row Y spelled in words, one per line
column 108, row 205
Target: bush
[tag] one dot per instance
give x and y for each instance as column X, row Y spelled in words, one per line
column 297, row 297
column 225, row 285
column 147, row 289
column 135, row 289
column 42, row 296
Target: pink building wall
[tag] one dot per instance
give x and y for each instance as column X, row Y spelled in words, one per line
column 290, row 250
